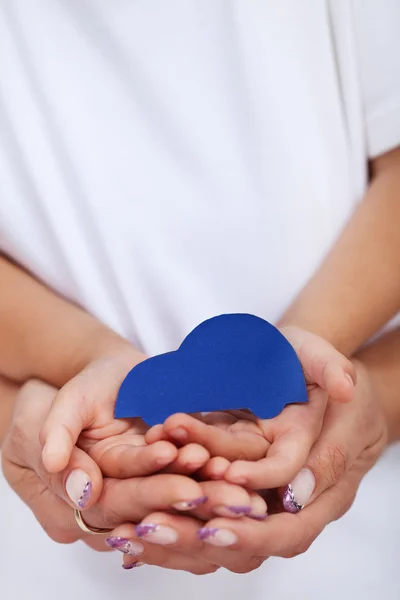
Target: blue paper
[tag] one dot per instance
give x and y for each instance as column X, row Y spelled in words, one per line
column 229, row 362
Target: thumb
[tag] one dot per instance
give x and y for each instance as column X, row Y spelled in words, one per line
column 322, row 364
column 80, row 483
column 62, row 427
column 327, row 464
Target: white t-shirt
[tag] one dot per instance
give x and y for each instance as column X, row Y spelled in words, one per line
column 163, row 162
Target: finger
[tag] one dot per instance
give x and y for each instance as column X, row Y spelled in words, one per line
column 323, row 364
column 227, row 500
column 285, row 459
column 87, row 399
column 189, row 459
column 293, row 432
column 285, row 535
column 155, row 434
column 214, row 469
column 69, row 415
column 180, row 534
column 80, row 483
column 330, row 458
column 124, row 460
column 132, row 499
column 137, row 552
column 232, row 444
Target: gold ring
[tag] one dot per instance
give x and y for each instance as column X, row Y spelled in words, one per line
column 86, row 528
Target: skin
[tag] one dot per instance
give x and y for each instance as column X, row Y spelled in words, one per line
column 351, row 440
column 356, row 290
column 347, row 328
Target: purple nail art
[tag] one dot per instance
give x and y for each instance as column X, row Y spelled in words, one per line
column 117, row 543
column 126, row 546
column 132, row 565
column 86, row 494
column 289, row 501
column 196, row 502
column 239, row 510
column 259, row 517
column 144, row 529
column 206, row 532
column 190, row 504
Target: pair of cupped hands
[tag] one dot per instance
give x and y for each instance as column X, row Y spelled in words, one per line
column 197, row 492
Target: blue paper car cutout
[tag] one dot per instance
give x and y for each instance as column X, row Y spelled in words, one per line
column 233, row 361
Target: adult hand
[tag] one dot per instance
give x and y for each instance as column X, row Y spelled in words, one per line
column 113, row 502
column 352, row 438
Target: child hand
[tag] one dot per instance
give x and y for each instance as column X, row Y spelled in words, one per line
column 268, row 453
column 83, row 414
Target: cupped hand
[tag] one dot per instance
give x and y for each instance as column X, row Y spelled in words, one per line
column 351, row 440
column 266, row 453
column 112, row 502
column 82, row 414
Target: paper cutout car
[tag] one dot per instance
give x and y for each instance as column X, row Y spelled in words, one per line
column 232, row 361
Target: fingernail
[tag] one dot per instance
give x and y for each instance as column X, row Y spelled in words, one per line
column 79, row 487
column 232, row 511
column 126, row 546
column 157, row 534
column 190, row 504
column 217, row 537
column 179, row 434
column 133, row 565
column 297, row 494
column 259, row 517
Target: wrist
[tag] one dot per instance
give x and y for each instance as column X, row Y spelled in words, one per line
column 83, row 342
column 372, row 388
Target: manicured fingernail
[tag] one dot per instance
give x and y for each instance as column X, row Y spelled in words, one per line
column 133, row 565
column 297, row 494
column 179, row 434
column 190, row 504
column 217, row 537
column 259, row 517
column 79, row 487
column 156, row 534
column 232, row 511
column 126, row 546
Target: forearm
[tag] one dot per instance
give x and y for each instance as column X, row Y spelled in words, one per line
column 357, row 288
column 8, row 395
column 382, row 360
column 43, row 335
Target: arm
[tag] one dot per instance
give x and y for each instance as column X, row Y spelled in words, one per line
column 43, row 335
column 357, row 288
column 8, row 394
column 382, row 361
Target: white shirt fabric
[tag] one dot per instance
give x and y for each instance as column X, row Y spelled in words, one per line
column 164, row 162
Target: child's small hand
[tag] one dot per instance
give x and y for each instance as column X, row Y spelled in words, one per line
column 268, row 453
column 83, row 414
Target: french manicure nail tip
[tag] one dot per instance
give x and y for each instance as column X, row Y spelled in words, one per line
column 240, row 511
column 126, row 546
column 156, row 534
column 86, row 494
column 289, row 502
column 299, row 491
column 79, row 488
column 190, row 504
column 133, row 565
column 217, row 537
column 206, row 532
column 259, row 517
column 232, row 511
column 145, row 529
